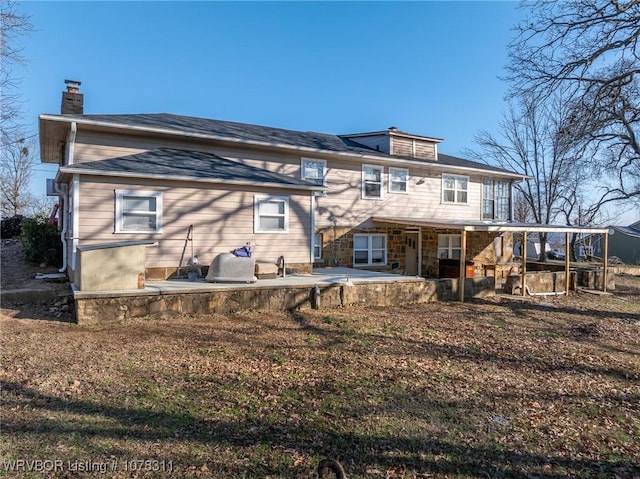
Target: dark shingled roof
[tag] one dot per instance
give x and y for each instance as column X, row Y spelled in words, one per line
column 234, row 131
column 245, row 132
column 199, row 165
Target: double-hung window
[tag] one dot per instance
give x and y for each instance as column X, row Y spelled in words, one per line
column 455, row 189
column 496, row 200
column 372, row 181
column 398, row 180
column 369, row 249
column 449, row 246
column 271, row 214
column 138, row 211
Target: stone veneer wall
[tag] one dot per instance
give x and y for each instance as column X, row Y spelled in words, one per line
column 114, row 306
column 338, row 249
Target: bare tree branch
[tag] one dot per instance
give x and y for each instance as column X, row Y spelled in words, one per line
column 586, row 50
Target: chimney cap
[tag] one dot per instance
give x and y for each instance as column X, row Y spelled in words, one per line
column 73, row 83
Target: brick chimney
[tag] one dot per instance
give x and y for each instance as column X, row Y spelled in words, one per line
column 72, row 99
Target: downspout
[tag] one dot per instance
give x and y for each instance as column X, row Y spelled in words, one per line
column 71, row 144
column 313, row 228
column 62, row 191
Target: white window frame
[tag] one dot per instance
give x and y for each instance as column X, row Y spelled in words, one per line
column 120, row 212
column 322, row 181
column 365, row 181
column 392, row 182
column 258, row 200
column 493, row 185
column 370, row 250
column 455, row 190
column 449, row 248
column 317, row 246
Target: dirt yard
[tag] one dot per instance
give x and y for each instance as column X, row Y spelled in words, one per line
column 546, row 388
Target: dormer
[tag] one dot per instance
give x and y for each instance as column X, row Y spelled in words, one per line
column 398, row 143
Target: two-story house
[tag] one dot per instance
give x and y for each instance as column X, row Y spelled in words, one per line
column 384, row 200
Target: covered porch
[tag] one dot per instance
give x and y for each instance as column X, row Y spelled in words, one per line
column 490, row 237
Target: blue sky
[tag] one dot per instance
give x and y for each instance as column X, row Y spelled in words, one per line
column 429, row 68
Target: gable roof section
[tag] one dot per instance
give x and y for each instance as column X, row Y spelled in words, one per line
column 185, row 165
column 166, row 123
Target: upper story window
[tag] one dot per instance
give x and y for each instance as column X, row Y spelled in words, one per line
column 314, row 171
column 398, row 180
column 455, row 189
column 138, row 211
column 271, row 214
column 372, row 181
column 496, row 200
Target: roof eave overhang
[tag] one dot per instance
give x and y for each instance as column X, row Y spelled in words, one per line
column 373, row 158
column 472, row 226
column 393, row 133
column 65, row 173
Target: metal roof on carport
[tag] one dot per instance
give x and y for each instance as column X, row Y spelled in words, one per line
column 485, row 226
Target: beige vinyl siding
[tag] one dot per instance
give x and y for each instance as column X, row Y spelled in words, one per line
column 222, row 218
column 93, row 146
column 345, row 205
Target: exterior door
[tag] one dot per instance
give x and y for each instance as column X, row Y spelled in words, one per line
column 411, row 254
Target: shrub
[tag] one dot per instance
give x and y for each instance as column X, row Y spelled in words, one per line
column 11, row 227
column 41, row 241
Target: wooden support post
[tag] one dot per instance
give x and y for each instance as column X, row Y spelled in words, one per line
column 463, row 269
column 523, row 278
column 566, row 264
column 605, row 262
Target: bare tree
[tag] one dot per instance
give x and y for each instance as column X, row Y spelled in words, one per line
column 588, row 51
column 521, row 209
column 531, row 142
column 14, row 26
column 16, row 169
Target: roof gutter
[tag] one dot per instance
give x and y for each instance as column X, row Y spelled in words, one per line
column 399, row 161
column 85, row 171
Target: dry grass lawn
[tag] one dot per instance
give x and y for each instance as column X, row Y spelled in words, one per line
column 545, row 388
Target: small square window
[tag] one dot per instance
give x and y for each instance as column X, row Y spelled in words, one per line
column 314, row 171
column 138, row 211
column 271, row 214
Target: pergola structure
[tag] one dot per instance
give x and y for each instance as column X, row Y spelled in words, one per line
column 466, row 227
